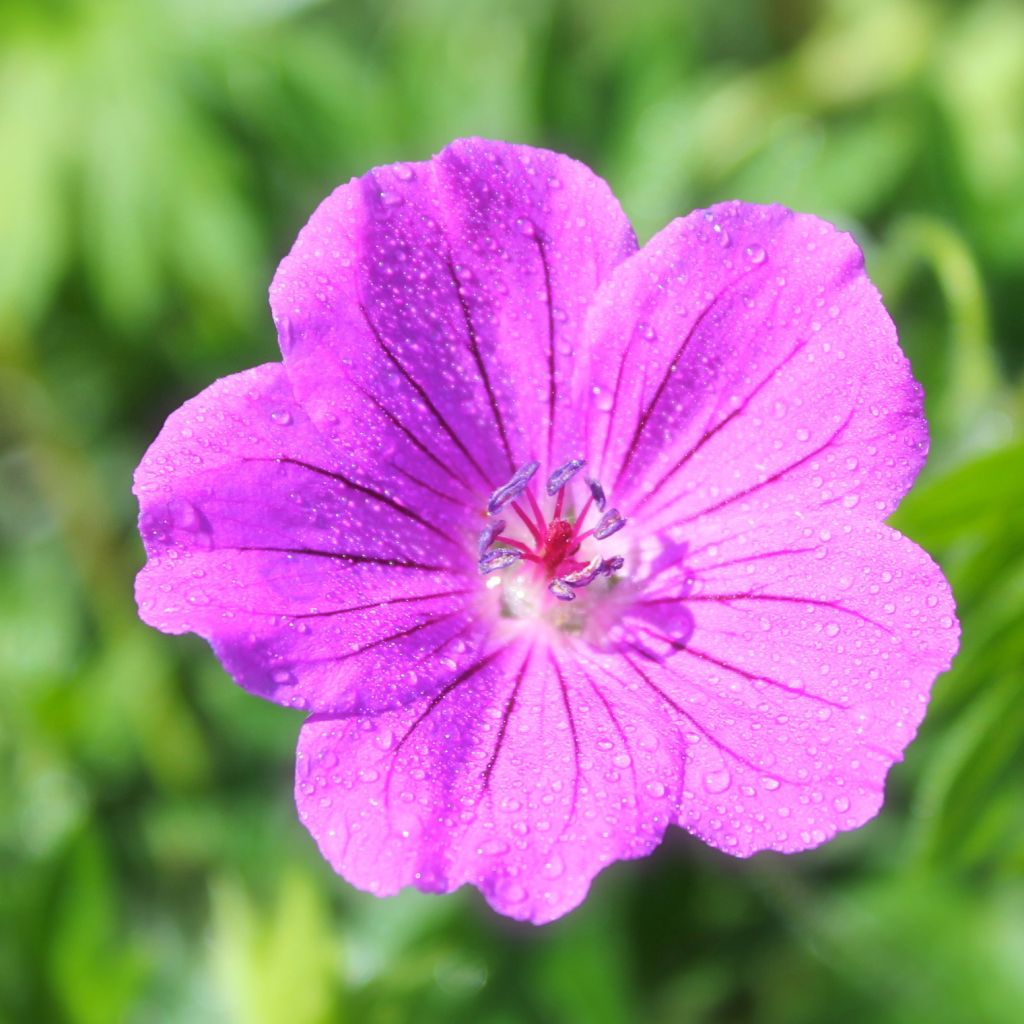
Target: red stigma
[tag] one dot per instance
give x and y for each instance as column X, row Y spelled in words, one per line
column 560, row 537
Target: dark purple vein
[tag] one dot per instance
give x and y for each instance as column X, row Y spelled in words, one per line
column 424, row 397
column 791, row 599
column 344, row 556
column 670, row 367
column 552, row 379
column 412, row 438
column 709, row 434
column 371, row 604
column 473, row 341
column 755, row 676
column 510, row 707
column 372, row 493
column 575, row 740
column 448, row 688
column 753, row 488
column 707, row 734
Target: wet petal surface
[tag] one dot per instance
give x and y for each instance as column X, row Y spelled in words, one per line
column 525, row 776
column 316, row 588
column 439, row 305
column 743, row 359
column 805, row 673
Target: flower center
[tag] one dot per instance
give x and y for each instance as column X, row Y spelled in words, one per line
column 553, row 552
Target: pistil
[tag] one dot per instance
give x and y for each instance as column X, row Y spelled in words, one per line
column 556, row 542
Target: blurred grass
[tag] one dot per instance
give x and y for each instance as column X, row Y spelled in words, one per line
column 158, row 159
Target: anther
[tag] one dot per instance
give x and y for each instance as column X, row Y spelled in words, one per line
column 582, row 577
column 561, row 590
column 611, row 522
column 597, row 493
column 499, row 558
column 563, row 475
column 488, row 535
column 510, row 491
column 597, row 567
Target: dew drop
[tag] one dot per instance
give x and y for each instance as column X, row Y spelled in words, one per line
column 281, row 417
column 554, row 866
column 756, row 253
column 718, row 781
column 512, row 892
column 493, row 848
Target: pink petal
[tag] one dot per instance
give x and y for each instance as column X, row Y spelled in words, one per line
column 524, row 776
column 440, row 304
column 316, row 588
column 746, row 362
column 812, row 647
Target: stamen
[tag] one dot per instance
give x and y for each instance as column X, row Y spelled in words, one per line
column 597, row 493
column 563, row 475
column 597, row 567
column 499, row 558
column 581, row 577
column 611, row 522
column 556, row 540
column 561, row 590
column 530, row 525
column 510, row 491
column 488, row 534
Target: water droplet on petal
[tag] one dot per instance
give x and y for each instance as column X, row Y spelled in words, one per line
column 756, row 253
column 718, row 781
column 493, row 848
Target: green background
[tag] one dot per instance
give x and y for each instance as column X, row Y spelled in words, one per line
column 157, row 158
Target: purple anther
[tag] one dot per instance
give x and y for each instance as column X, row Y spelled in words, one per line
column 563, row 475
column 597, row 493
column 510, row 491
column 561, row 590
column 611, row 522
column 613, row 564
column 586, row 575
column 499, row 558
column 489, row 533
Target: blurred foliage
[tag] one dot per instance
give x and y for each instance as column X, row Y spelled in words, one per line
column 158, row 158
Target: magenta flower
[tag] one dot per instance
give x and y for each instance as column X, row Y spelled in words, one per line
column 559, row 541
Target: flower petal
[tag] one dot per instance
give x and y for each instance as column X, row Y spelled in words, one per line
column 744, row 360
column 441, row 303
column 521, row 777
column 811, row 650
column 316, row 589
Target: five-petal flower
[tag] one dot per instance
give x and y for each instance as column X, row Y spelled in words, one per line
column 558, row 541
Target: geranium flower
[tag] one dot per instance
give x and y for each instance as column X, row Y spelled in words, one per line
column 559, row 541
